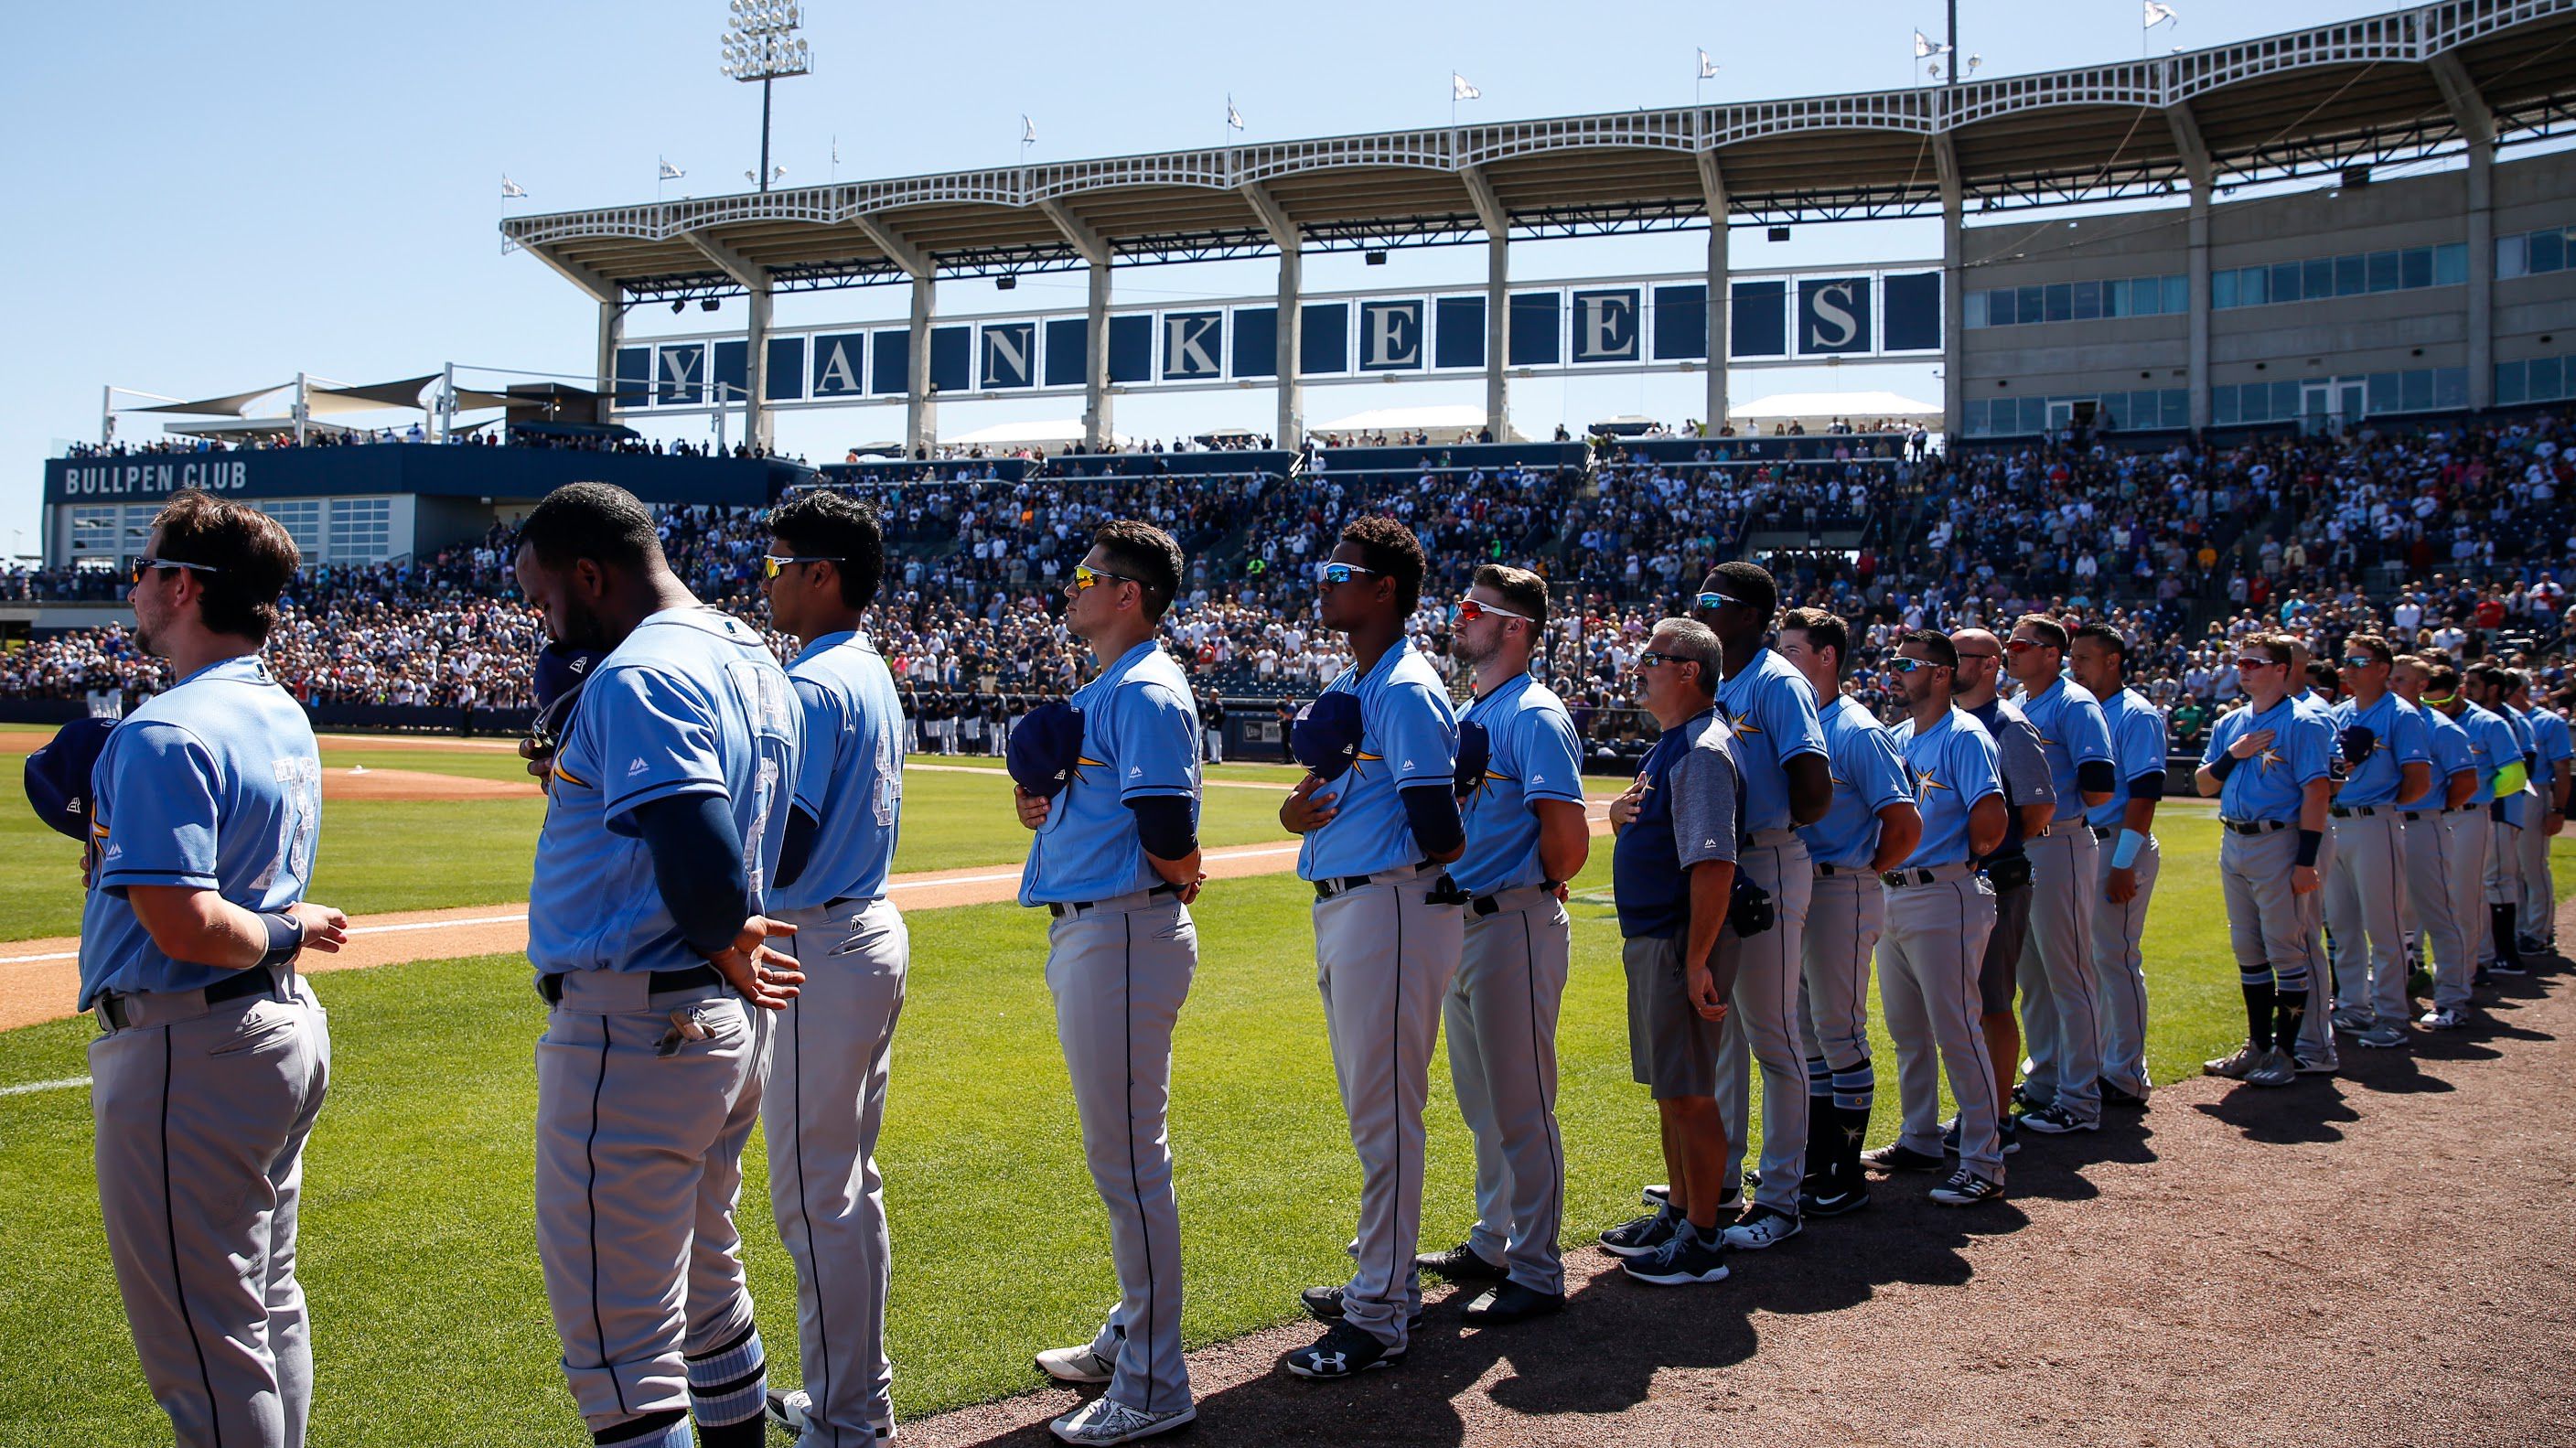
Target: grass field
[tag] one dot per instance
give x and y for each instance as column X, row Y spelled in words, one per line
column 430, row 1320
column 374, row 851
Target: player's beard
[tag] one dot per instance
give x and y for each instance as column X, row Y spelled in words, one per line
column 583, row 629
column 1465, row 652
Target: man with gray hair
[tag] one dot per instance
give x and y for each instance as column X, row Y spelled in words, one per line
column 1672, row 871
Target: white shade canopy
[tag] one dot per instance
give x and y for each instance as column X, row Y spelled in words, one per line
column 1786, row 405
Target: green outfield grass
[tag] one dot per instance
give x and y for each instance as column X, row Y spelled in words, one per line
column 381, row 855
column 430, row 1320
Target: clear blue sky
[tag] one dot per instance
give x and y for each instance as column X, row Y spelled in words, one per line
column 212, row 197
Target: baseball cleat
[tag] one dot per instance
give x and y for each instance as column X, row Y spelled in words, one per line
column 2508, row 967
column 1833, row 1203
column 2235, row 1064
column 1462, row 1263
column 2309, row 1062
column 2381, row 1038
column 1661, row 1195
column 1324, row 1304
column 1762, row 1227
column 1644, row 1235
column 1966, row 1189
column 1105, row 1420
column 1658, row 1195
column 1511, row 1302
column 1897, row 1156
column 2443, row 1018
column 2009, row 1129
column 1076, row 1365
column 1344, row 1352
column 2056, row 1121
column 2125, row 1100
column 2274, row 1067
column 2023, row 1097
column 2352, row 1021
column 1685, row 1258
column 794, row 1410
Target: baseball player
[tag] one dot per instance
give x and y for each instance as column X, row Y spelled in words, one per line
column 2270, row 765
column 2502, row 771
column 2553, row 768
column 1938, row 916
column 2124, row 844
column 1380, row 818
column 1526, row 836
column 2388, row 756
column 823, row 1101
column 1116, row 864
column 2057, row 968
column 665, row 814
column 213, row 1057
column 2313, row 687
column 2030, row 802
column 1780, row 757
column 2443, row 870
column 1872, row 826
column 1673, row 875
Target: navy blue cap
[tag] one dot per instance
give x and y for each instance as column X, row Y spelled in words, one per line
column 1326, row 735
column 58, row 775
column 1475, row 751
column 562, row 671
column 1045, row 748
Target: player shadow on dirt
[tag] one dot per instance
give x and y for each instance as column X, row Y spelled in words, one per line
column 2308, row 1110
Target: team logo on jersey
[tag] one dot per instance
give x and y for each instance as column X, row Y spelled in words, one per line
column 635, row 767
column 2270, row 757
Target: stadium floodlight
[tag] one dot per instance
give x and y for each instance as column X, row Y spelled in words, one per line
column 760, row 45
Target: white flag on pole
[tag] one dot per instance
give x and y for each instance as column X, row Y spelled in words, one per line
column 1707, row 67
column 2157, row 15
column 1233, row 117
column 1459, row 90
column 1925, row 46
column 511, row 190
column 671, row 172
column 1028, row 131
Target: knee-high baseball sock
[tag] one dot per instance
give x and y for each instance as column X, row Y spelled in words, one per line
column 667, row 1429
column 2258, row 1012
column 2508, row 950
column 728, row 1389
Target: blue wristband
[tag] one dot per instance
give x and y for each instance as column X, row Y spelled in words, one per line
column 2125, row 854
column 285, row 938
column 2310, row 841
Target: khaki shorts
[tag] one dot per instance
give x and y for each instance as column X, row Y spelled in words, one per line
column 1672, row 1049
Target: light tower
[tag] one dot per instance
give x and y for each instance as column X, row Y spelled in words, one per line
column 760, row 44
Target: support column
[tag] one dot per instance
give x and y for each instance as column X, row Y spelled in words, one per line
column 1498, row 337
column 1954, row 308
column 1097, row 433
column 920, row 404
column 1721, row 291
column 2477, row 127
column 2197, row 249
column 755, row 371
column 1292, row 389
column 612, row 335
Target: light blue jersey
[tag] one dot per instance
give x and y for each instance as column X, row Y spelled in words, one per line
column 2451, row 752
column 2272, row 784
column 2137, row 748
column 850, row 775
column 212, row 785
column 2072, row 733
column 1533, row 756
column 2402, row 740
column 1954, row 765
column 1869, row 776
column 1408, row 736
column 2551, row 739
column 2516, row 748
column 692, row 703
column 1140, row 737
column 1772, row 710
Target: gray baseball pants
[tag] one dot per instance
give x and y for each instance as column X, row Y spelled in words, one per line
column 1119, row 971
column 2056, row 972
column 1384, row 957
column 2424, row 841
column 1928, row 959
column 2363, row 892
column 2120, row 966
column 202, row 1115
column 2466, row 834
column 2539, row 917
column 640, row 1133
column 821, row 1109
column 2503, row 877
column 2272, row 928
column 1501, row 1013
column 1762, row 1024
column 1846, row 912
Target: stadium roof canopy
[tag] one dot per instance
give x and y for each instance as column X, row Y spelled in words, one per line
column 2380, row 89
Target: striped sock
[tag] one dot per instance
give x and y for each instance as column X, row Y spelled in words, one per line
column 668, row 1429
column 1856, row 1089
column 728, row 1387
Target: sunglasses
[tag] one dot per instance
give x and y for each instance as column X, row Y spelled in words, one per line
column 1915, row 666
column 145, row 565
column 1718, row 600
column 1470, row 610
column 1086, row 578
column 2358, row 661
column 2243, row 664
column 1657, row 658
column 1341, row 572
column 2020, row 646
column 772, row 564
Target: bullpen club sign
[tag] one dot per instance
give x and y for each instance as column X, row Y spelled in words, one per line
column 154, row 478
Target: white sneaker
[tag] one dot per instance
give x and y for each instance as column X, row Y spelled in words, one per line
column 794, row 1411
column 2235, row 1064
column 2442, row 1018
column 1076, row 1365
column 1761, row 1227
column 1106, row 1420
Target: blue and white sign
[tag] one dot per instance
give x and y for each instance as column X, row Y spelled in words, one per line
column 1833, row 317
column 1193, row 346
column 1607, row 325
column 1010, row 355
column 1391, row 336
column 840, row 364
